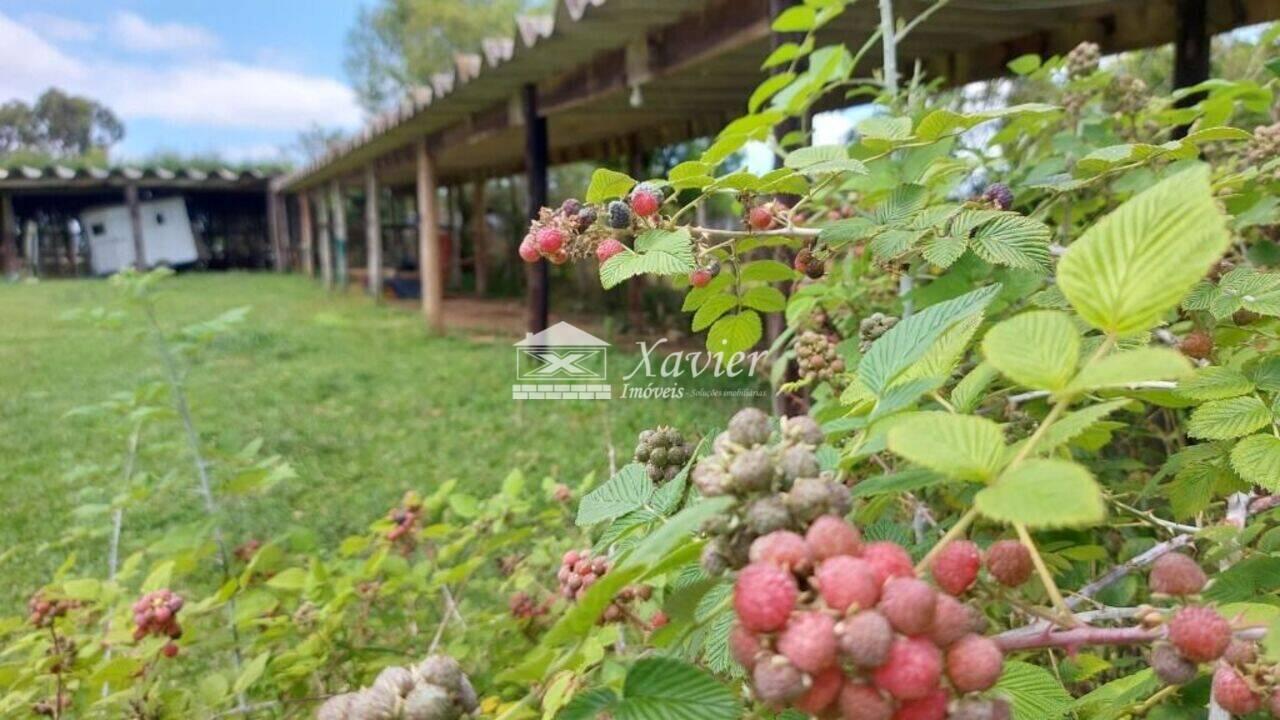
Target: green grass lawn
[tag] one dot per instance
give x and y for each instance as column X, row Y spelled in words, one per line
column 356, row 397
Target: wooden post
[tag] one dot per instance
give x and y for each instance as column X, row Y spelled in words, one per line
column 480, row 237
column 373, row 233
column 8, row 237
column 325, row 238
column 308, row 263
column 429, row 261
column 273, row 230
column 536, row 158
column 338, row 214
column 1191, row 52
column 31, row 242
column 453, row 211
column 135, row 220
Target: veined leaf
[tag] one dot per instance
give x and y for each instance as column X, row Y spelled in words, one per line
column 1131, row 366
column 1035, row 349
column 1257, row 459
column 1034, row 691
column 1014, row 240
column 711, row 310
column 1215, row 383
column 657, row 252
column 1135, row 264
column 735, row 333
column 1233, row 417
column 969, row 391
column 607, row 184
column 1072, row 425
column 1044, row 494
column 624, row 492
column 663, row 688
column 765, row 299
column 965, row 447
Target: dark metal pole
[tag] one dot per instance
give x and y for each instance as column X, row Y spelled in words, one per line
column 537, row 157
column 1191, row 51
column 135, row 220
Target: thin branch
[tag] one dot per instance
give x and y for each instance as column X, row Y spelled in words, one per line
column 1118, row 572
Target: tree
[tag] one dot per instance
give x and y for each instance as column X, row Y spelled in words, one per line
column 399, row 44
column 58, row 125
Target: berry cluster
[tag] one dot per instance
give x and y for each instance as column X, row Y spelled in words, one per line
column 435, row 689
column 779, row 485
column 572, row 232
column 663, row 451
column 405, row 521
column 156, row 613
column 817, row 357
column 826, row 621
column 1264, row 147
column 1127, row 94
column 998, row 196
column 524, row 607
column 579, row 570
column 42, row 610
column 702, row 275
column 763, row 217
column 871, row 327
column 809, row 263
column 1083, row 60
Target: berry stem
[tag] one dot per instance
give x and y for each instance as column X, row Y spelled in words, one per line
column 798, row 232
column 1078, row 637
column 1046, row 577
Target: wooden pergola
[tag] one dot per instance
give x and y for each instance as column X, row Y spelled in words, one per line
column 610, row 78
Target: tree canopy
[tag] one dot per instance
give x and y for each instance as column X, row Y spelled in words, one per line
column 59, row 125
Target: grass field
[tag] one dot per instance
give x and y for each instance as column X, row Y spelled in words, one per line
column 356, row 397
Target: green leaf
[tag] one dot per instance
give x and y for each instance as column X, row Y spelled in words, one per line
column 1024, row 64
column 736, row 333
column 1257, row 459
column 1034, row 691
column 968, row 393
column 589, row 704
column 251, row 673
column 1072, row 425
column 908, row 480
column 1035, row 349
column 765, row 299
column 796, row 19
column 662, row 688
column 657, row 252
column 964, row 447
column 1044, row 494
column 608, row 184
column 1135, row 264
column 712, row 309
column 1131, row 366
column 943, row 250
column 1233, row 417
column 626, row 491
column 846, row 231
column 768, row 89
column 820, row 159
column 291, row 579
column 911, row 338
column 1215, row 383
column 766, row 271
column 1014, row 240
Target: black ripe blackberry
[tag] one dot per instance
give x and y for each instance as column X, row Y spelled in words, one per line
column 998, row 196
column 817, row 357
column 663, row 451
column 585, row 218
column 619, row 215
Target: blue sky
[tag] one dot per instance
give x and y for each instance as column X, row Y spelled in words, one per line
column 237, row 77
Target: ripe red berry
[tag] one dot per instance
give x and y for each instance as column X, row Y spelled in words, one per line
column 700, row 277
column 859, row 701
column 952, row 620
column 760, row 218
column 1176, row 574
column 776, row 680
column 974, row 663
column 1232, row 692
column 865, row 639
column 744, row 645
column 645, row 201
column 608, row 248
column 169, row 650
column 830, row 536
column 549, row 239
column 1197, row 344
column 1201, row 634
column 930, row 707
column 764, row 597
column 908, row 603
column 955, row 567
column 847, row 583
column 888, row 559
column 528, row 251
column 912, row 671
column 1009, row 562
column 809, row 641
column 825, row 690
column 782, row 548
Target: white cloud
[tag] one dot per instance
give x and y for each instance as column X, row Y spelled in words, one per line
column 59, row 28
column 194, row 92
column 134, row 32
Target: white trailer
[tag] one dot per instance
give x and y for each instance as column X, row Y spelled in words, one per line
column 166, row 235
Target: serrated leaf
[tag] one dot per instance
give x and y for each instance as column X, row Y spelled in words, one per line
column 906, row 200
column 660, row 688
column 626, row 491
column 1230, row 418
column 1044, row 494
column 844, row 232
column 588, row 705
column 1034, row 691
column 1215, row 383
column 943, row 250
column 904, row 481
column 968, row 393
column 768, row 89
column 797, row 19
column 1257, row 459
column 712, row 309
column 1013, row 240
column 911, row 338
column 608, row 184
column 964, row 447
column 765, row 299
column 1035, row 349
column 1072, row 425
column 1131, row 366
column 766, row 271
column 735, row 333
column 1135, row 264
column 657, row 252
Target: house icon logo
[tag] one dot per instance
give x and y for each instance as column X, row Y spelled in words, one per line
column 562, row 363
